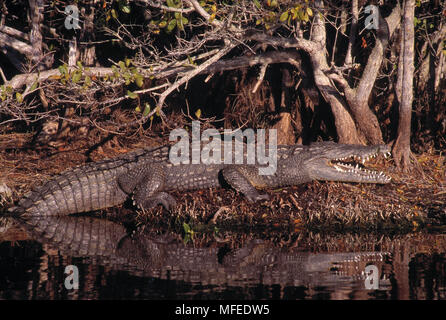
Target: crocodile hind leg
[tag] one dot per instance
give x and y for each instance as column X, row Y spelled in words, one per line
column 244, row 179
column 146, row 184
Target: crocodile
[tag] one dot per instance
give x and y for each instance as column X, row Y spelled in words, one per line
column 145, row 252
column 147, row 175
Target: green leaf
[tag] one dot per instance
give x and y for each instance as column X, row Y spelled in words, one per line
column 416, row 21
column 18, row 97
column 257, row 4
column 125, row 8
column 294, row 11
column 34, row 86
column 186, row 228
column 79, row 65
column 309, row 12
column 76, row 76
column 87, row 81
column 122, row 65
column 115, row 71
column 172, row 24
column 114, row 14
column 283, row 16
column 63, row 69
column 139, row 80
column 131, row 94
column 191, row 61
column 303, row 16
column 146, row 110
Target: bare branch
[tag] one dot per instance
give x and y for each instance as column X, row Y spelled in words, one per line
column 199, row 9
column 28, row 78
column 193, row 73
column 17, row 45
column 166, row 8
column 14, row 32
column 260, row 78
column 375, row 59
column 353, row 29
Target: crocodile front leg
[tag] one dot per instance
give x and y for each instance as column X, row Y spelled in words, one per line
column 146, row 184
column 245, row 178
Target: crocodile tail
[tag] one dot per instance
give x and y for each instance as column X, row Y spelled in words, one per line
column 29, row 203
column 86, row 188
column 81, row 189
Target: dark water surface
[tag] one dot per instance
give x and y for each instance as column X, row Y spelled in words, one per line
column 111, row 262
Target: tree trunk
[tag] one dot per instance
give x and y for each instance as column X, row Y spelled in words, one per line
column 88, row 52
column 401, row 150
column 345, row 126
column 353, row 29
column 35, row 35
column 358, row 98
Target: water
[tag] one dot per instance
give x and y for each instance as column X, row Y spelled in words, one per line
column 112, row 262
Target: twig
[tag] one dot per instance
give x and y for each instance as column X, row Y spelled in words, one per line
column 192, row 74
column 260, row 78
column 3, row 75
column 166, row 8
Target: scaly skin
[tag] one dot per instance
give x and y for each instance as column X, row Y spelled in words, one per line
column 147, row 175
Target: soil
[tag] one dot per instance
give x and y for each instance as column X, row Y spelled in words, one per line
column 413, row 200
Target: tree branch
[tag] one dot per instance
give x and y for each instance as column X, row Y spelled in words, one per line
column 374, row 61
column 353, row 29
column 271, row 57
column 14, row 32
column 193, row 73
column 158, row 5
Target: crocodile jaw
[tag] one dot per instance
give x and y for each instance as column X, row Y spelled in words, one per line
column 355, row 173
column 349, row 167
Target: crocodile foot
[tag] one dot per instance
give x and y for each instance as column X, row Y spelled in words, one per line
column 161, row 198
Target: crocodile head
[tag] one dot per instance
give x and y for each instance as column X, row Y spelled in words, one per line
column 343, row 162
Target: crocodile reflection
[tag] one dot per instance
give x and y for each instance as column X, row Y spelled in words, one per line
column 144, row 253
